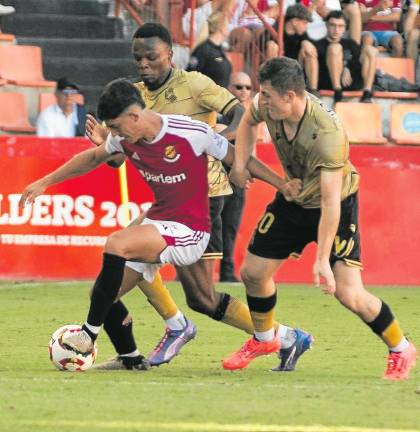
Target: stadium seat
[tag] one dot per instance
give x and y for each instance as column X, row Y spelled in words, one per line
column 362, row 121
column 405, row 124
column 47, row 99
column 397, row 67
column 237, row 60
column 22, row 65
column 7, row 39
column 14, row 114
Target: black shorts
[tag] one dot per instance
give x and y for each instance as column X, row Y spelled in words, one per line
column 286, row 228
column 215, row 247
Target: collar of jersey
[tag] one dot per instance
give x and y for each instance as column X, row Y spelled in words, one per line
column 162, row 131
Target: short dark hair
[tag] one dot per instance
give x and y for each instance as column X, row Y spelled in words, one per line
column 116, row 97
column 284, row 74
column 337, row 14
column 149, row 30
column 298, row 11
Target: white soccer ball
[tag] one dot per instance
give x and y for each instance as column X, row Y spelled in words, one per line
column 66, row 359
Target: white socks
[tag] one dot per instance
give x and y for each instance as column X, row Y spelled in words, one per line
column 177, row 322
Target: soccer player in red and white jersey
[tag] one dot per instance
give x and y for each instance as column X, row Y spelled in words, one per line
column 170, row 152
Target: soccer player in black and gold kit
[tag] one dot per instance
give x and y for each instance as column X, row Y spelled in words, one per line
column 313, row 149
column 168, row 90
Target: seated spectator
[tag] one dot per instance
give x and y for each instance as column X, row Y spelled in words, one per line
column 321, row 8
column 209, row 57
column 379, row 24
column 66, row 118
column 203, row 10
column 246, row 26
column 410, row 10
column 6, row 10
column 343, row 65
column 296, row 43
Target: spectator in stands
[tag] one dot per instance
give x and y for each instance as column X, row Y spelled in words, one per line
column 6, row 10
column 379, row 24
column 240, row 86
column 410, row 10
column 296, row 43
column 209, row 57
column 66, row 118
column 246, row 26
column 321, row 8
column 203, row 10
column 343, row 64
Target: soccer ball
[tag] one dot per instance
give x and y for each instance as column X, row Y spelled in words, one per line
column 66, row 359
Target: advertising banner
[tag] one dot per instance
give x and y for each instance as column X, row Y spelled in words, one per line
column 62, row 234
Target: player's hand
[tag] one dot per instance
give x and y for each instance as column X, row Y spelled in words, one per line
column 95, row 131
column 346, row 78
column 291, row 189
column 239, row 177
column 31, row 192
column 323, row 273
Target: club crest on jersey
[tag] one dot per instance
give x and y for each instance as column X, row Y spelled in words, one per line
column 170, row 154
column 170, row 95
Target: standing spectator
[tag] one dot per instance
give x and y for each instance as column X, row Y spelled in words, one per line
column 241, row 87
column 342, row 63
column 379, row 24
column 209, row 57
column 66, row 118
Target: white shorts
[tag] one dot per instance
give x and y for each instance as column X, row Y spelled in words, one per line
column 184, row 247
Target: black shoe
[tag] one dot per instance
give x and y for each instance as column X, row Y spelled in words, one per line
column 338, row 95
column 124, row 363
column 366, row 96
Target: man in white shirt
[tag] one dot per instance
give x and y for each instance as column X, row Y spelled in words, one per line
column 66, row 118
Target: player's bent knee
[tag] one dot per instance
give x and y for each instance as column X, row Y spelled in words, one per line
column 198, row 304
column 115, row 245
column 250, row 277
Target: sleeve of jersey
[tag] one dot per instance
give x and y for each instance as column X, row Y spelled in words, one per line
column 210, row 143
column 113, row 144
column 209, row 95
column 333, row 150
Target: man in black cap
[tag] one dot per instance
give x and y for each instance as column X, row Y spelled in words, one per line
column 66, row 118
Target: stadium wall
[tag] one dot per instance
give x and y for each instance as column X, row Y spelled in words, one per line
column 61, row 236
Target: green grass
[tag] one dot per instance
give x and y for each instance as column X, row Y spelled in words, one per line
column 337, row 386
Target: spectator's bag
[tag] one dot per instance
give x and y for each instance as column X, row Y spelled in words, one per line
column 386, row 82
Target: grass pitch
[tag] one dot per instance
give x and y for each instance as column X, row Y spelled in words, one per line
column 337, row 385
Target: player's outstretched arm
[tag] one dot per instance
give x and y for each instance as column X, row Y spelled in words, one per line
column 80, row 164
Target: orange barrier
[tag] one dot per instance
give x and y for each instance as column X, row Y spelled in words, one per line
column 60, row 237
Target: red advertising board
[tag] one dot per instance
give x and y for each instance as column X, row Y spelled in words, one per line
column 61, row 235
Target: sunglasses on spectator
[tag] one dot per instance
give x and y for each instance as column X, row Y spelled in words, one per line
column 242, row 87
column 69, row 92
